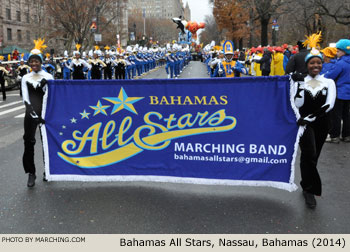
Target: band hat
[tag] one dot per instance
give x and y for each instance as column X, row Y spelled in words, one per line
column 313, row 41
column 77, row 46
column 38, row 49
column 228, row 47
column 313, row 53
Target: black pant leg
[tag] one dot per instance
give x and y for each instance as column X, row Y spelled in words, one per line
column 336, row 117
column 310, row 179
column 29, row 141
column 321, row 128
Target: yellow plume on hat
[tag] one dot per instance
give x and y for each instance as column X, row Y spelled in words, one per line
column 78, row 46
column 39, row 44
column 47, row 55
column 313, row 40
column 2, row 57
column 218, row 48
column 97, row 47
column 107, row 47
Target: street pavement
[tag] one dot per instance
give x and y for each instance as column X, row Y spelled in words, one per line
column 146, row 207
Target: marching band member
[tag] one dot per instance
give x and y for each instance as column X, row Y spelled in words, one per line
column 3, row 72
column 22, row 70
column 33, row 89
column 228, row 67
column 77, row 65
column 65, row 66
column 119, row 67
column 108, row 61
column 314, row 97
column 96, row 65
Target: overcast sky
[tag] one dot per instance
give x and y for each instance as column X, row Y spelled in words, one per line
column 199, row 8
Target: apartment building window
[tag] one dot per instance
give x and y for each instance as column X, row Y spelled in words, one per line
column 28, row 36
column 8, row 14
column 9, row 34
column 19, row 35
column 18, row 15
column 27, row 17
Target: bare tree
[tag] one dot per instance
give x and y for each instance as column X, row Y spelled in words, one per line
column 211, row 31
column 73, row 18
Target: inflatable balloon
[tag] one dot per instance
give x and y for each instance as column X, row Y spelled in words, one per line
column 193, row 27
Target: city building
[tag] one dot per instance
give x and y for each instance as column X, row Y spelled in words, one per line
column 15, row 24
column 187, row 12
column 163, row 9
column 18, row 17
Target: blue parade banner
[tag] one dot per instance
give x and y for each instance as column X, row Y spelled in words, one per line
column 230, row 131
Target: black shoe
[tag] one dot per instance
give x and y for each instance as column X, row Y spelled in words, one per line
column 310, row 200
column 44, row 177
column 31, row 180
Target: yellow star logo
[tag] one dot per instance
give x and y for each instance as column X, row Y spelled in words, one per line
column 85, row 115
column 99, row 108
column 123, row 102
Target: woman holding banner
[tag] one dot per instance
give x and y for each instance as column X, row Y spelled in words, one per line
column 314, row 97
column 33, row 90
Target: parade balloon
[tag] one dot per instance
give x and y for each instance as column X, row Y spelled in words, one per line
column 193, row 27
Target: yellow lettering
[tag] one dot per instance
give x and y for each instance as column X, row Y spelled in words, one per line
column 108, row 131
column 124, row 127
column 149, row 122
column 153, row 100
column 188, row 100
column 177, row 100
column 217, row 118
column 94, row 130
column 223, row 99
column 155, row 139
column 187, row 122
column 164, row 100
column 200, row 101
column 169, row 120
column 213, row 100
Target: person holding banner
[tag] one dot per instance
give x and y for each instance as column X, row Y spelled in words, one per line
column 314, row 97
column 33, row 90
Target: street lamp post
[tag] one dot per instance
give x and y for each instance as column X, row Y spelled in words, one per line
column 135, row 31
column 275, row 28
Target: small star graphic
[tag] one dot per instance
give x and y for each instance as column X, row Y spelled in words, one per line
column 73, row 120
column 63, row 126
column 123, row 102
column 99, row 108
column 61, row 133
column 85, row 114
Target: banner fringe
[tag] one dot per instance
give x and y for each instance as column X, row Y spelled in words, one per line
column 200, row 181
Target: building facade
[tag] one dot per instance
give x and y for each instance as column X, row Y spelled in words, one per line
column 187, row 12
column 18, row 17
column 163, row 9
column 15, row 23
